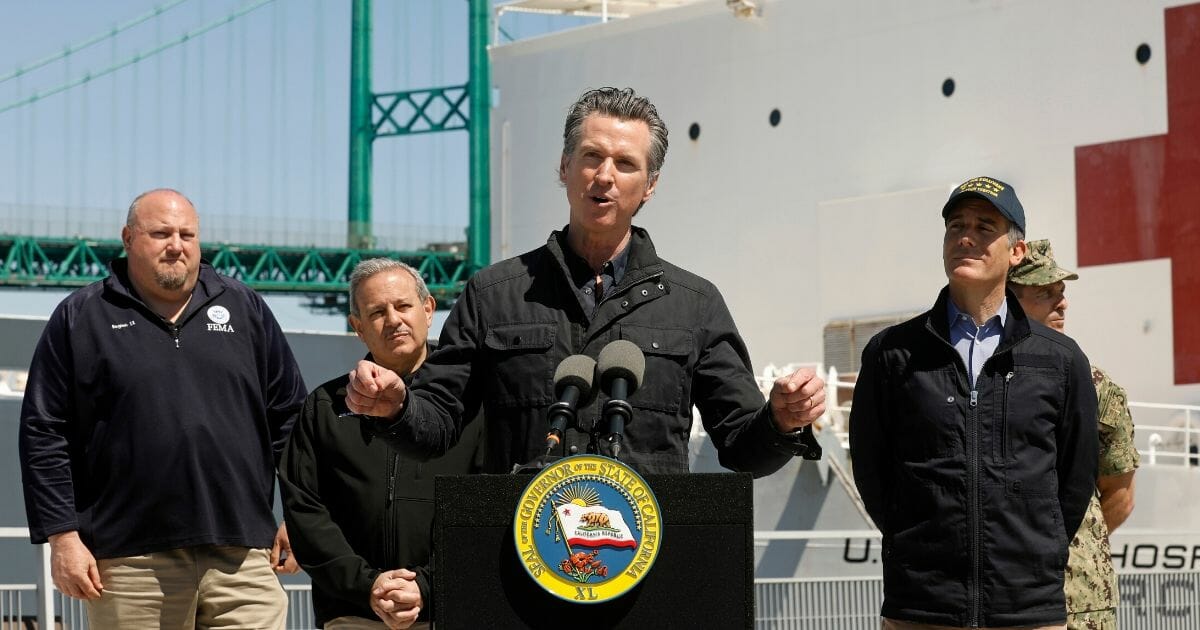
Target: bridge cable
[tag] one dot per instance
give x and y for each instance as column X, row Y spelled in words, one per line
column 180, row 177
column 316, row 177
column 137, row 57
column 410, row 200
column 118, row 163
column 272, row 141
column 440, row 142
column 95, row 39
column 227, row 119
column 65, row 162
column 244, row 153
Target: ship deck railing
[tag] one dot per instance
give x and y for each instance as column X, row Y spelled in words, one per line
column 1151, row 600
column 1165, row 434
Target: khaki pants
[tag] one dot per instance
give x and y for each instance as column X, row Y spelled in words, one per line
column 893, row 624
column 359, row 623
column 194, row 587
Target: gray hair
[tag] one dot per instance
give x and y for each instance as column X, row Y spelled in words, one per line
column 372, row 266
column 623, row 104
column 131, row 216
column 1015, row 233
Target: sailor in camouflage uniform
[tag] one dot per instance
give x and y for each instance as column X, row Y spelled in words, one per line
column 1091, row 584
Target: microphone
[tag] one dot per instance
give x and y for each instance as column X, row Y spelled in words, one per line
column 621, row 366
column 572, row 385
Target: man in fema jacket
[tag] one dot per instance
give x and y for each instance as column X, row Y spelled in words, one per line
column 973, row 437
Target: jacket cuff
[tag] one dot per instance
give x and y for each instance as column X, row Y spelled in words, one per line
column 800, row 443
column 426, row 596
column 387, row 426
column 43, row 534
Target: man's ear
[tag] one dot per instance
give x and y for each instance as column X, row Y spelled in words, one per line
column 356, row 325
column 1019, row 249
column 562, row 169
column 430, row 305
column 650, row 189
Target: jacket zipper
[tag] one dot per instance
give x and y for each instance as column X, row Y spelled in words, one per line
column 975, row 516
column 389, row 507
column 973, row 486
column 1004, row 422
column 972, row 475
column 175, row 327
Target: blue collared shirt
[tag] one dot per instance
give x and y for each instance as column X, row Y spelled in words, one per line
column 975, row 344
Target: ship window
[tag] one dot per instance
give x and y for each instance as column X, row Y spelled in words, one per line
column 947, row 87
column 694, row 131
column 1143, row 54
column 846, row 338
column 774, row 118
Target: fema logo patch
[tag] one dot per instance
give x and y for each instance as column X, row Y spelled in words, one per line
column 219, row 319
column 218, row 314
column 587, row 529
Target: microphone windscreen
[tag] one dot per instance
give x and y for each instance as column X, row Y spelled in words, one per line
column 621, row 359
column 577, row 370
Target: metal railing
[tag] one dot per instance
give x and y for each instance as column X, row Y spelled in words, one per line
column 807, row 604
column 1165, row 434
column 1164, row 600
column 245, row 226
column 1149, row 600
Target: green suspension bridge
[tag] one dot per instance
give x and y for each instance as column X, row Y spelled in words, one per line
column 52, row 255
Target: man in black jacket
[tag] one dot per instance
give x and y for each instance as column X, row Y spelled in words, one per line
column 973, row 437
column 598, row 280
column 359, row 514
column 158, row 401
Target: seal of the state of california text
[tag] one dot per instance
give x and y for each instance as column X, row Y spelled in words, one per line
column 587, row 529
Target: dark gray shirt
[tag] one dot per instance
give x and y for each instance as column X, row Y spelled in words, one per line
column 591, row 286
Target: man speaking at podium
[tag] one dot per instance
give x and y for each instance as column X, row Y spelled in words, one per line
column 596, row 281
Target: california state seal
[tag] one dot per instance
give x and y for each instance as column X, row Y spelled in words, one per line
column 587, row 529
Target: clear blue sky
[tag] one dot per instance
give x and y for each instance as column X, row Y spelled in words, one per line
column 249, row 120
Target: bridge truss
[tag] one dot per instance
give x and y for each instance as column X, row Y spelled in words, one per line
column 74, row 262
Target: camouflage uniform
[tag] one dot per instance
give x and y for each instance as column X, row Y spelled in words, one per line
column 1090, row 581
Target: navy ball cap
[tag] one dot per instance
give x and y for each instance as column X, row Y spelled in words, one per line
column 992, row 190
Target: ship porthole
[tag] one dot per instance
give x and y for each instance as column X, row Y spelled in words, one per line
column 1143, row 54
column 694, row 131
column 947, row 87
column 774, row 118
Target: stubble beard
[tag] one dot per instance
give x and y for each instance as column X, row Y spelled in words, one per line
column 171, row 281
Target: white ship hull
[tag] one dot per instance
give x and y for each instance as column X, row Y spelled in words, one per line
column 829, row 221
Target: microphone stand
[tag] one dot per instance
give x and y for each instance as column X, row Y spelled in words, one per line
column 619, row 412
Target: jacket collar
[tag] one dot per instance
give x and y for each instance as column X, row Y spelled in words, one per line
column 643, row 260
column 1016, row 325
column 208, row 285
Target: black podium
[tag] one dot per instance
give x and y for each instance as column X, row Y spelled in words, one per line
column 703, row 576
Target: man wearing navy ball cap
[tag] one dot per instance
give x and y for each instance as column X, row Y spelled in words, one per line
column 973, row 438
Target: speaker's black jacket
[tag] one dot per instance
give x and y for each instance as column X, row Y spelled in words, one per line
column 517, row 319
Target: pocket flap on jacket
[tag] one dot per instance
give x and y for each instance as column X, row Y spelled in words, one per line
column 521, row 337
column 659, row 341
